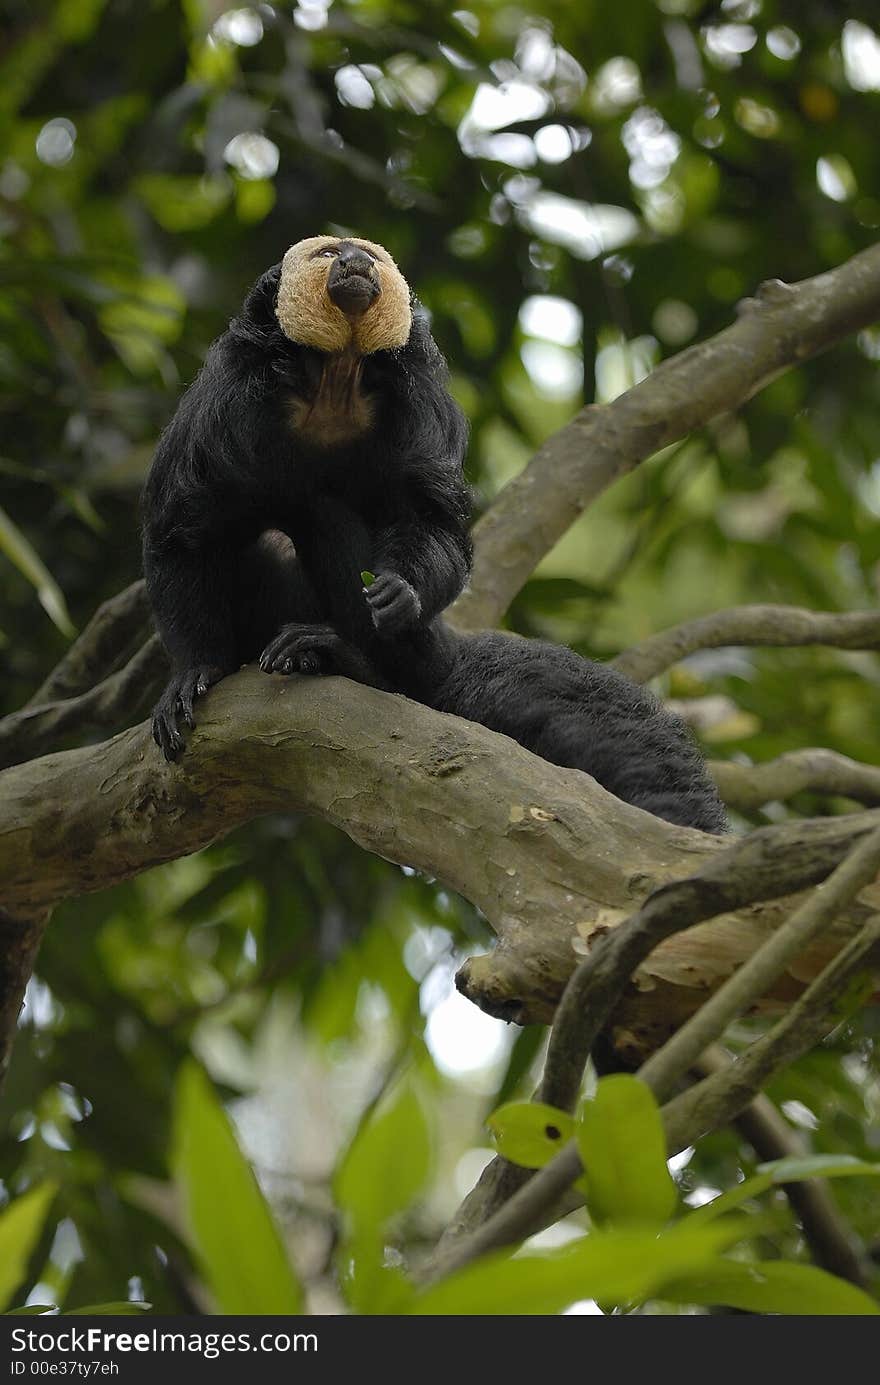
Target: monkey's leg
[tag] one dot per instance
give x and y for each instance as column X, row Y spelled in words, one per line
column 311, row 649
column 278, row 616
column 283, row 620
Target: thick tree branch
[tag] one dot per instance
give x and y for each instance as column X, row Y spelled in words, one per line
column 767, row 866
column 813, row 770
column 750, row 625
column 551, row 859
column 784, row 325
column 109, row 636
column 36, row 730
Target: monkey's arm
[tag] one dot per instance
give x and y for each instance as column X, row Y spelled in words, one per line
column 197, row 518
column 192, row 597
column 421, row 560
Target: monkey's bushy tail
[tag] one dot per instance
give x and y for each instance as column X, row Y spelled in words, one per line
column 579, row 714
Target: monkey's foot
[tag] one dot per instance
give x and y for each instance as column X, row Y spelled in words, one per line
column 394, row 603
column 301, row 649
column 175, row 706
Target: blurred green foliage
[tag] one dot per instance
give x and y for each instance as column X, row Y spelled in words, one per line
column 576, row 191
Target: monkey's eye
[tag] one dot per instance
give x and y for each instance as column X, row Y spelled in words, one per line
column 328, row 254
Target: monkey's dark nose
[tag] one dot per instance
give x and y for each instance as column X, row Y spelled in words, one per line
column 354, row 260
column 351, row 283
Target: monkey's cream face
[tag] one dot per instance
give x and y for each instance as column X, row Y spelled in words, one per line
column 339, row 293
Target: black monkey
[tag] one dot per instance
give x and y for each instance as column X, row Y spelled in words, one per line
column 328, row 385
column 571, row 711
column 319, row 441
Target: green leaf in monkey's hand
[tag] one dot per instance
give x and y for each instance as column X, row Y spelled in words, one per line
column 368, row 578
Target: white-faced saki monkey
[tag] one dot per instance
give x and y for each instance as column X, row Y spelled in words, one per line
column 318, row 443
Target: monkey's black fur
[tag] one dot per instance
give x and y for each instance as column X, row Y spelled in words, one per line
column 230, row 466
column 581, row 714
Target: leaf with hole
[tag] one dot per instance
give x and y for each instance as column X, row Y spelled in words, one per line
column 530, row 1132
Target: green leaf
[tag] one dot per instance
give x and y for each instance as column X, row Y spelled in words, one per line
column 231, row 1227
column 20, row 1226
column 623, row 1150
column 615, row 1266
column 802, row 1166
column 387, row 1163
column 773, row 1286
column 529, row 1132
column 122, row 1308
column 368, row 578
column 25, row 557
column 792, row 1170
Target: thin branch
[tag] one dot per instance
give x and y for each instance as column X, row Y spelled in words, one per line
column 36, row 730
column 20, row 937
column 833, row 1244
column 524, row 1213
column 784, row 325
column 750, row 625
column 665, row 1068
column 718, row 1099
column 100, row 648
column 812, row 770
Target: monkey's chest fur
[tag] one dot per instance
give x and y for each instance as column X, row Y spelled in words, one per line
column 336, row 409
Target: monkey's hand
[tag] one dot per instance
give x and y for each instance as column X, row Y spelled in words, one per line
column 300, row 648
column 394, row 604
column 175, row 706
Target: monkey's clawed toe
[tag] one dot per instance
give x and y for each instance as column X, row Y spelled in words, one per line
column 175, row 707
column 300, row 649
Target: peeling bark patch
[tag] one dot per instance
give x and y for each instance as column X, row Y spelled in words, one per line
column 151, row 803
column 640, row 884
column 444, row 758
column 595, row 925
column 642, row 981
